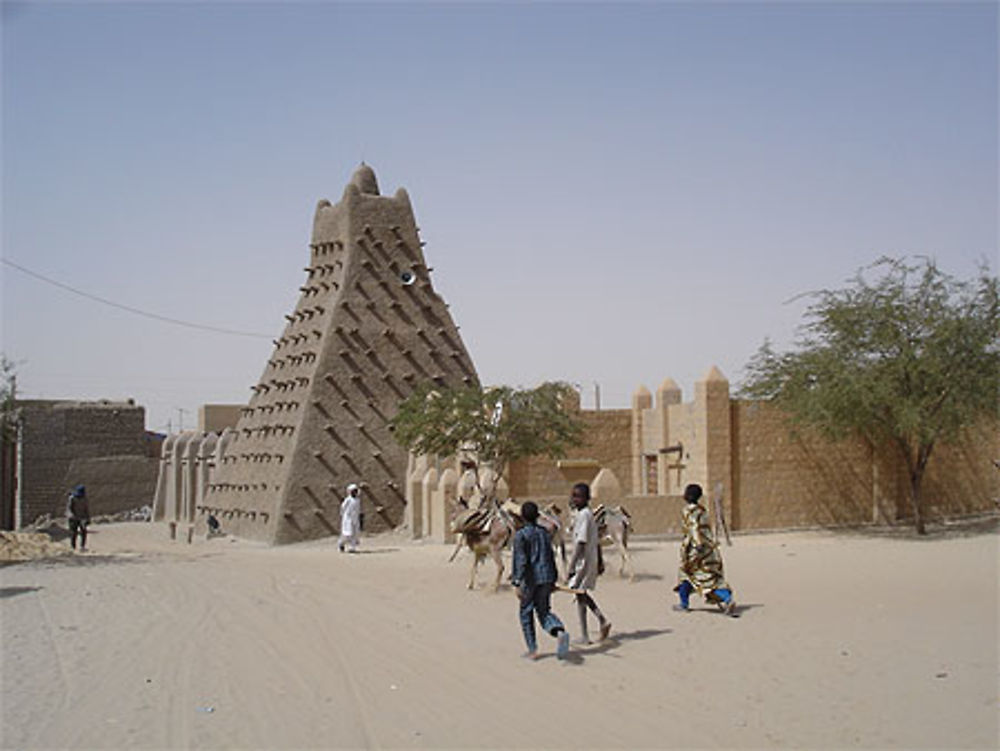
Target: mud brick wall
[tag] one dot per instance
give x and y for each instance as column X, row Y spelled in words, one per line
column 103, row 445
column 214, row 418
column 787, row 476
column 792, row 477
column 654, row 514
column 961, row 477
column 606, row 442
column 773, row 474
column 116, row 483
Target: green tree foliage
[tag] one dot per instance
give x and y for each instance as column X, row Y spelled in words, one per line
column 8, row 396
column 908, row 357
column 491, row 426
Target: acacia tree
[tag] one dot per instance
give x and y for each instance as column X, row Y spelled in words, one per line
column 491, row 426
column 909, row 358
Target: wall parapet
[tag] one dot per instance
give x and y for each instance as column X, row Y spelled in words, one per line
column 769, row 473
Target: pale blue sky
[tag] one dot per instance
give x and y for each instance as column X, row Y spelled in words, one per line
column 611, row 193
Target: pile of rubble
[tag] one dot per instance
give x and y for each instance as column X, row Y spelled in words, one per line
column 141, row 514
column 48, row 523
column 47, row 536
column 27, row 546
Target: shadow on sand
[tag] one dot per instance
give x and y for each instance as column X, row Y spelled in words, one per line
column 641, row 577
column 936, row 530
column 740, row 609
column 91, row 559
column 373, row 551
column 14, row 591
column 579, row 652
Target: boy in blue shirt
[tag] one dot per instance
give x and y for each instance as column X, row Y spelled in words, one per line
column 534, row 576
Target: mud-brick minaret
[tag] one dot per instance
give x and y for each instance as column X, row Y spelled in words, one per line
column 367, row 330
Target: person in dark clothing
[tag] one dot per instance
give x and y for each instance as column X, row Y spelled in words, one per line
column 534, row 576
column 78, row 515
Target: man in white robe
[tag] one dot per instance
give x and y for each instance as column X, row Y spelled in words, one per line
column 350, row 519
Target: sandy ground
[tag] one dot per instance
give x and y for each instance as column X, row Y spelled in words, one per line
column 844, row 641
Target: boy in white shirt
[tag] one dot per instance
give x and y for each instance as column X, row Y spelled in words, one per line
column 583, row 567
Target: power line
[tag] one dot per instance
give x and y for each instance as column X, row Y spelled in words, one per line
column 129, row 309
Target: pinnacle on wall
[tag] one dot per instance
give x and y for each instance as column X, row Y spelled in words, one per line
column 641, row 398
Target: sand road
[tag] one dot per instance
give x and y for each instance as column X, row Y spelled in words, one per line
column 845, row 641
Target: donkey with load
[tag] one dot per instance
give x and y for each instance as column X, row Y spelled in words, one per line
column 489, row 527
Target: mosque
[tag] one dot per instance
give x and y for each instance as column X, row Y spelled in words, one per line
column 369, row 328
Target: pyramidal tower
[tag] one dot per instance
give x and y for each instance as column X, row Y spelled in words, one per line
column 367, row 330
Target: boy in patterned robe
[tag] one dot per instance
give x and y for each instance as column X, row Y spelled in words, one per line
column 701, row 561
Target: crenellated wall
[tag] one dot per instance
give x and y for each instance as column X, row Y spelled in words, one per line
column 768, row 473
column 187, row 468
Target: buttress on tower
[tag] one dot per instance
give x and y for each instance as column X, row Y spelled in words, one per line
column 368, row 329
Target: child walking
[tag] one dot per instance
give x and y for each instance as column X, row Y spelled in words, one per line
column 700, row 569
column 584, row 566
column 534, row 576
